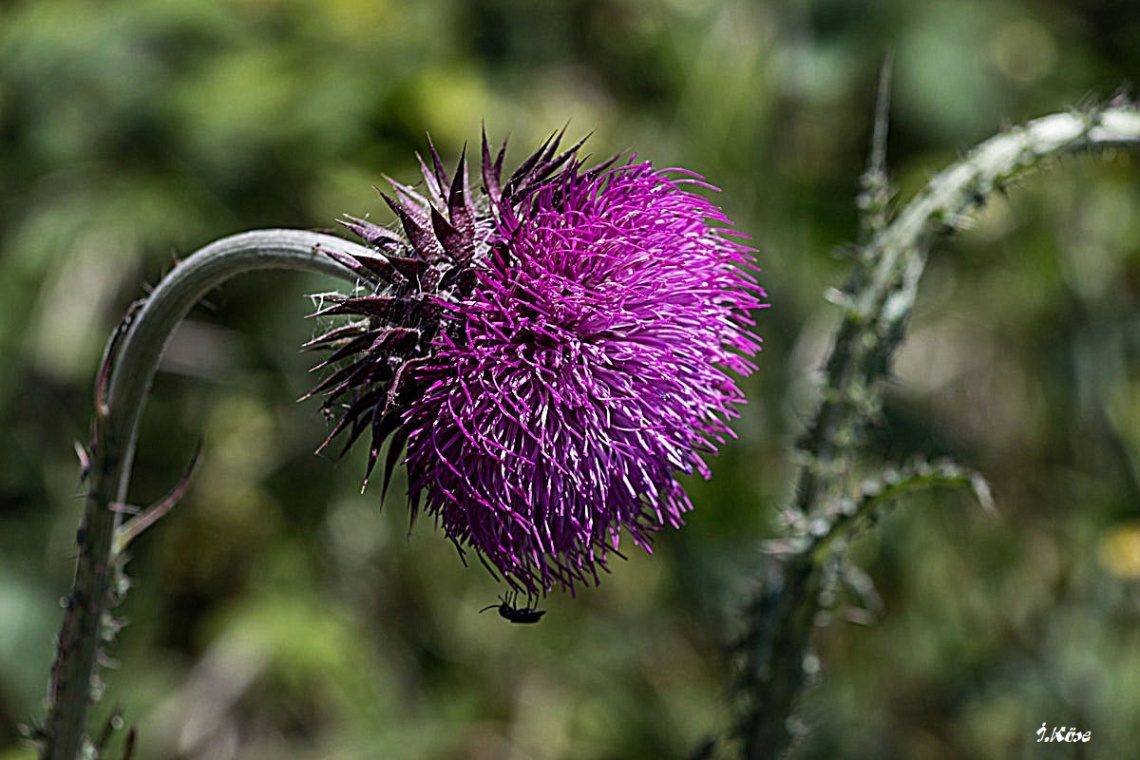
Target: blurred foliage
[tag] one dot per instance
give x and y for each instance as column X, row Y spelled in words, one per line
column 279, row 613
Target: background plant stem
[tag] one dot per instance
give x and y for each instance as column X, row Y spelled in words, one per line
column 877, row 302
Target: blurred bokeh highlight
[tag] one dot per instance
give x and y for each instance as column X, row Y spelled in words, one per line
column 277, row 612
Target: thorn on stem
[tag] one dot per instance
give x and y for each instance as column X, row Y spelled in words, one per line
column 114, row 723
column 84, row 457
column 874, row 184
column 103, row 380
column 140, row 522
column 878, row 160
column 129, row 744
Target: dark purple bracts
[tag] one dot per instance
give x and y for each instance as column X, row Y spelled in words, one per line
column 550, row 355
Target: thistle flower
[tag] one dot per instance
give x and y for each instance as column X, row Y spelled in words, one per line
column 551, row 355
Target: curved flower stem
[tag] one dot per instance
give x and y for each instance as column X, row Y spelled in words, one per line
column 129, row 366
column 876, row 303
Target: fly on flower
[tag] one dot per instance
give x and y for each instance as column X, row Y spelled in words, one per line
column 546, row 355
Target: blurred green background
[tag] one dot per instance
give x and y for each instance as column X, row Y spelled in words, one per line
column 279, row 613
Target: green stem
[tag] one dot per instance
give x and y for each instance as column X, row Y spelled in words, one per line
column 131, row 360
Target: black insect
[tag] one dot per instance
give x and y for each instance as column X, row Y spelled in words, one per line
column 509, row 611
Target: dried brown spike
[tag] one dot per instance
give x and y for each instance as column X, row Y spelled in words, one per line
column 395, row 448
column 373, row 234
column 379, row 307
column 457, row 246
column 423, row 242
column 374, row 271
column 357, row 344
column 525, row 168
column 437, row 163
column 432, row 182
column 384, row 422
column 411, row 269
column 382, row 269
column 493, row 173
column 397, row 340
column 462, row 216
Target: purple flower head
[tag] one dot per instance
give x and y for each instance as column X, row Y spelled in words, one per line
column 551, row 355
